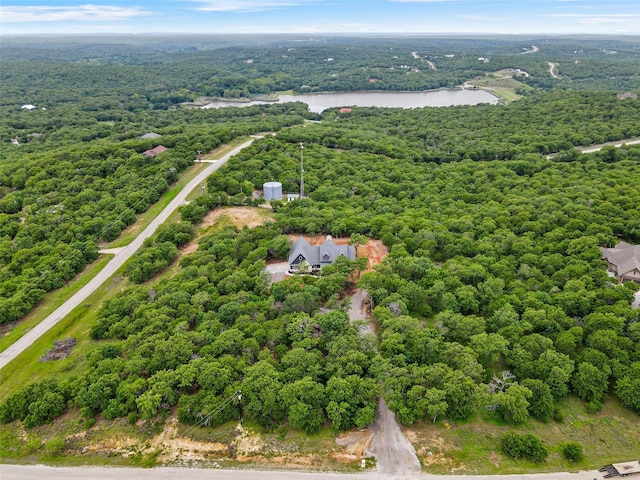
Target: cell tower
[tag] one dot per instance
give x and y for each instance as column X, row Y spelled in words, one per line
column 301, row 171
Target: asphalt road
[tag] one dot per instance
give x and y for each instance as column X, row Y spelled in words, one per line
column 116, row 262
column 40, row 472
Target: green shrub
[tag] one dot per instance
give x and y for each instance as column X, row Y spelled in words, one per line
column 572, row 451
column 133, row 418
column 524, row 446
column 55, row 446
column 33, row 444
column 558, row 416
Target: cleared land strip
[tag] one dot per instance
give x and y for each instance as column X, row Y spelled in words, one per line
column 118, row 261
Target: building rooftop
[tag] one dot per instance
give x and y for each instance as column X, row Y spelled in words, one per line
column 321, row 255
column 155, row 151
column 624, row 256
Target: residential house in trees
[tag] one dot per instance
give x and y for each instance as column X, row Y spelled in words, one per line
column 624, row 261
column 319, row 256
column 154, row 151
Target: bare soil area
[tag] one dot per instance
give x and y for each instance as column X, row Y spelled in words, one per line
column 375, row 251
column 239, row 216
column 247, row 448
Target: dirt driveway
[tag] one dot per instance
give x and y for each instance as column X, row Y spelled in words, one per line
column 394, row 454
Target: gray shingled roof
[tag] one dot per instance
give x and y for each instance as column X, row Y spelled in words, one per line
column 324, row 254
column 151, row 135
column 624, row 256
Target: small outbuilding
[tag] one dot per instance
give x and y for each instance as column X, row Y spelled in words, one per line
column 624, row 261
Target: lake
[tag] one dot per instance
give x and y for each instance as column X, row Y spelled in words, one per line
column 319, row 102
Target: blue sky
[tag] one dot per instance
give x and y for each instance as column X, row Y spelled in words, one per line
column 320, row 16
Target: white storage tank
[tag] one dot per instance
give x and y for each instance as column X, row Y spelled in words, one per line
column 272, row 191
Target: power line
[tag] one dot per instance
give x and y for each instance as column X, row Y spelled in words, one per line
column 206, row 419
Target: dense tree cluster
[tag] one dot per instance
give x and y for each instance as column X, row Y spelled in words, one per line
column 494, row 295
column 491, row 263
column 214, row 329
column 58, row 201
column 158, row 251
column 136, row 74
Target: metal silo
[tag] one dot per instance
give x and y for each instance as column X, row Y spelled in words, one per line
column 272, row 191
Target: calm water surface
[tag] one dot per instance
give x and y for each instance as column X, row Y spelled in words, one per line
column 321, row 101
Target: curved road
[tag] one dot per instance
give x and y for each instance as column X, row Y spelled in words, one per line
column 22, row 472
column 116, row 262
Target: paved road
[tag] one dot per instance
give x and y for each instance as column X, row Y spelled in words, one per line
column 39, row 472
column 617, row 144
column 116, row 262
column 597, row 148
column 534, row 49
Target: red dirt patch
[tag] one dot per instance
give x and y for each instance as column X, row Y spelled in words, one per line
column 376, row 252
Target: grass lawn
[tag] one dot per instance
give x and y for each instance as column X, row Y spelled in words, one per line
column 52, row 301
column 473, row 447
column 501, row 85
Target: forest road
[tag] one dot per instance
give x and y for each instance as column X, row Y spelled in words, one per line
column 116, row 262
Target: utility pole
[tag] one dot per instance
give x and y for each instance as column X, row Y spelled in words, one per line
column 301, row 172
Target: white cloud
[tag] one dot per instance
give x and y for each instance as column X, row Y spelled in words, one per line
column 482, row 17
column 245, row 5
column 605, row 19
column 88, row 12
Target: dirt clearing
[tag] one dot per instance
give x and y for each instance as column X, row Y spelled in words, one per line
column 250, row 217
column 239, row 216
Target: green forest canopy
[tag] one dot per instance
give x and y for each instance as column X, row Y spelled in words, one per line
column 494, row 259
